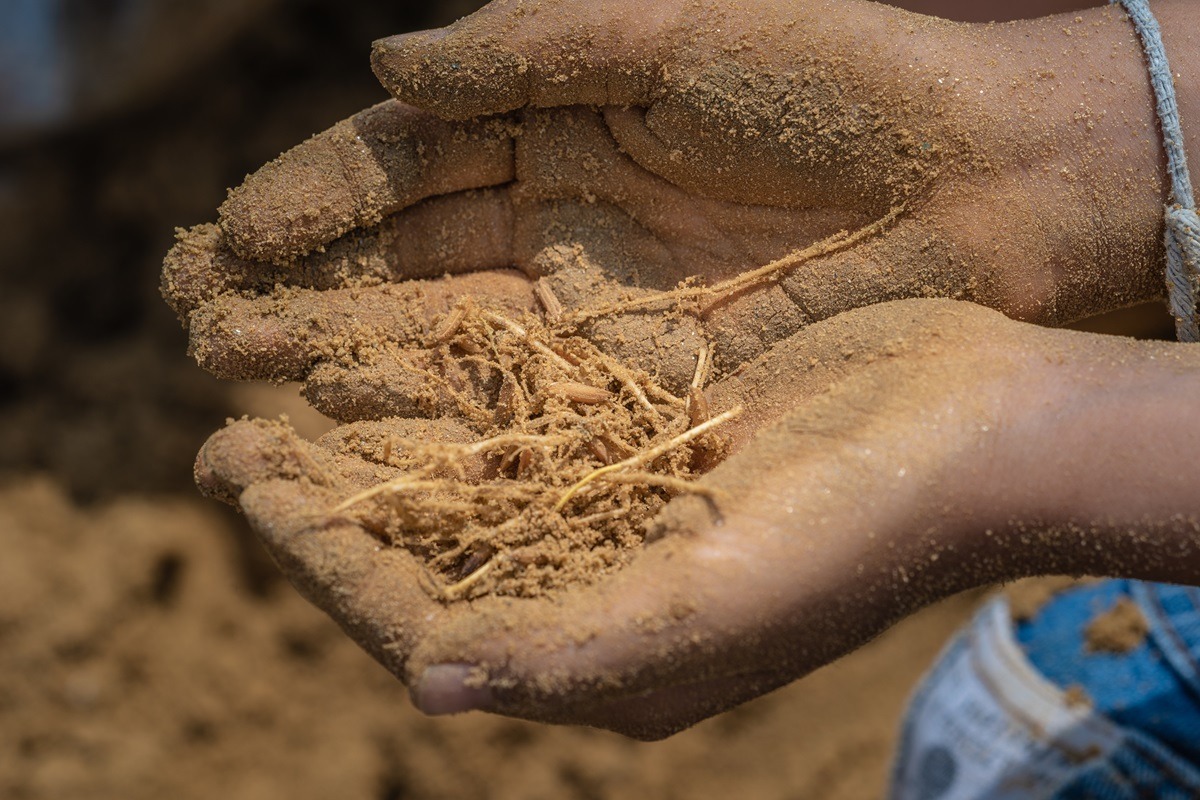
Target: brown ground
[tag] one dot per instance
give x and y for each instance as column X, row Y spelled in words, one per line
column 147, row 647
column 141, row 659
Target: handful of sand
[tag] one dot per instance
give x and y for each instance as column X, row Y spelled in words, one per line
column 579, row 451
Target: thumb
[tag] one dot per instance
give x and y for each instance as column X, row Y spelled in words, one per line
column 509, row 55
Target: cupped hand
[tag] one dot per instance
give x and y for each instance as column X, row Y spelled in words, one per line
column 538, row 211
column 1011, row 163
column 856, row 468
column 731, row 137
column 944, row 160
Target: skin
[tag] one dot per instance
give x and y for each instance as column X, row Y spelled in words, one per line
column 891, row 453
column 996, row 147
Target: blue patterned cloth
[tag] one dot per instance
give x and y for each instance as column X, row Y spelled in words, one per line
column 1000, row 716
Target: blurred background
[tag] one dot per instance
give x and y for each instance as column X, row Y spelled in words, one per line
column 147, row 647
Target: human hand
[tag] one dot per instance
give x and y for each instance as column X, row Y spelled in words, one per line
column 551, row 195
column 853, row 117
column 1016, row 164
column 340, row 331
column 851, row 498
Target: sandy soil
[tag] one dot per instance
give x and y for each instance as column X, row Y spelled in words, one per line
column 140, row 657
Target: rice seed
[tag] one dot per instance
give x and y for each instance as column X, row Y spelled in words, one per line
column 509, row 459
column 450, row 325
column 580, row 393
column 596, row 446
column 549, row 300
column 524, row 462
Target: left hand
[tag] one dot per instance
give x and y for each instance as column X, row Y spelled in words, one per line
column 727, row 140
column 867, row 444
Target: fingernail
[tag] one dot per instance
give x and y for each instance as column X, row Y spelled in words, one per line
column 451, row 689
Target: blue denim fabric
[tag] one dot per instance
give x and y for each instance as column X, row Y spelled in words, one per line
column 992, row 719
column 1151, row 692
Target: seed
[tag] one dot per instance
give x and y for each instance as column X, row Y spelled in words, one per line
column 510, row 404
column 524, row 461
column 579, row 392
column 549, row 300
column 599, row 450
column 450, row 325
column 509, row 458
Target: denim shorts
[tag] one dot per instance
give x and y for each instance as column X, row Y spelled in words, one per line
column 1031, row 710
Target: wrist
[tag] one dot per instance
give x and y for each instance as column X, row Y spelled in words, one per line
column 1092, row 474
column 1093, row 156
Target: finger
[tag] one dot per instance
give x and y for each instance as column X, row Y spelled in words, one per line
column 790, row 168
column 405, row 383
column 449, row 234
column 663, row 140
column 248, row 452
column 284, row 335
column 286, row 487
column 359, row 171
column 569, row 52
column 199, row 267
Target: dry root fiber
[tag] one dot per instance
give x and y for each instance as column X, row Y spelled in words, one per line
column 578, row 452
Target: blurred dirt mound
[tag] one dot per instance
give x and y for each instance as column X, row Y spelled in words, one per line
column 139, row 659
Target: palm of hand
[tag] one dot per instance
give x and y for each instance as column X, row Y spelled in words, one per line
column 552, row 196
column 789, row 559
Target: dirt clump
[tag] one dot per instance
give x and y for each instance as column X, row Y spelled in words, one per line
column 1121, row 629
column 579, row 451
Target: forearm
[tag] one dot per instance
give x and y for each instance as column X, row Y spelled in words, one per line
column 1097, row 474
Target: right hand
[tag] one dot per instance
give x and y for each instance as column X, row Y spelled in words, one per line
column 729, row 137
